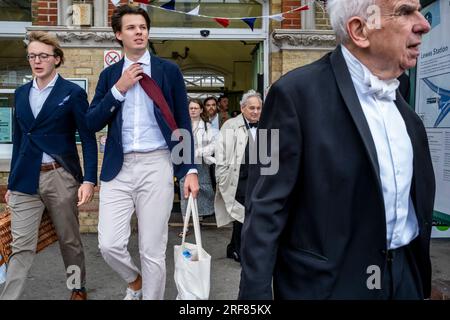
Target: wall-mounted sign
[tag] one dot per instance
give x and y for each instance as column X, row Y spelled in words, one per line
column 110, row 57
column 433, row 100
column 82, row 82
column 5, row 124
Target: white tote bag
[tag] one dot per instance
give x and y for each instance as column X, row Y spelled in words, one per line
column 192, row 262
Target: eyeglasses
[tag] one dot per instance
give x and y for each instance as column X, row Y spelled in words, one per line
column 42, row 56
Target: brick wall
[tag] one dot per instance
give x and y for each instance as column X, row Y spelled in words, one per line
column 322, row 20
column 83, row 63
column 44, row 13
column 275, row 7
column 111, row 8
column 292, row 20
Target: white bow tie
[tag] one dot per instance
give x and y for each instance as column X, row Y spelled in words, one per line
column 381, row 89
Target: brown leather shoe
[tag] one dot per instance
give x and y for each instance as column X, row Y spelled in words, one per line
column 78, row 295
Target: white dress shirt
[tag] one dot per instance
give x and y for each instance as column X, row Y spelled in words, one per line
column 140, row 131
column 393, row 147
column 37, row 99
column 251, row 129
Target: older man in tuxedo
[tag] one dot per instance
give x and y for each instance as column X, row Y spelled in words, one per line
column 348, row 215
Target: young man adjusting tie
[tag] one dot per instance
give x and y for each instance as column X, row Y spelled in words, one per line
column 143, row 100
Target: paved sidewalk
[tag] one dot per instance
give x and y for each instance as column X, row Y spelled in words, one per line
column 47, row 281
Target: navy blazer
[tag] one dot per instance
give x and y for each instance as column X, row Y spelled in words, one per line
column 53, row 132
column 106, row 110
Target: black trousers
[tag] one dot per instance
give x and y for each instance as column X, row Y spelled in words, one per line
column 235, row 243
column 401, row 279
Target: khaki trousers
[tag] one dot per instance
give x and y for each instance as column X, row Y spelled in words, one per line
column 144, row 185
column 58, row 192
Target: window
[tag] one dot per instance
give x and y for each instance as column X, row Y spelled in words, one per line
column 202, row 80
column 15, row 10
column 14, row 68
column 14, row 72
column 213, row 8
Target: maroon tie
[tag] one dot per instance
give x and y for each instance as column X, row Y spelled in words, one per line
column 152, row 89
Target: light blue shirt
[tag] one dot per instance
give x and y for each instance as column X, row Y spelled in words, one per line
column 394, row 152
column 140, row 131
column 215, row 122
column 37, row 99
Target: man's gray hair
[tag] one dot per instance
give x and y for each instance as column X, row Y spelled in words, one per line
column 340, row 11
column 249, row 94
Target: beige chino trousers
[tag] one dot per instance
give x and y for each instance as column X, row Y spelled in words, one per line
column 58, row 192
column 145, row 185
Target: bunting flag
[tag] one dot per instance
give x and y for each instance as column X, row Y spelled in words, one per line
column 169, row 5
column 299, row 9
column 223, row 21
column 250, row 22
column 277, row 17
column 195, row 11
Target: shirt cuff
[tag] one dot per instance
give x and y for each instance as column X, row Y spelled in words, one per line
column 116, row 93
column 88, row 182
column 192, row 171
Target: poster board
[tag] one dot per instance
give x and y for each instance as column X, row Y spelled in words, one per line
column 432, row 102
column 5, row 124
column 83, row 83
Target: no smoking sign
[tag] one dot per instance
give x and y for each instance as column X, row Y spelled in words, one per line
column 110, row 57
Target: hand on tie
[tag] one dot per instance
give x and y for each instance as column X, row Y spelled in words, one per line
column 129, row 78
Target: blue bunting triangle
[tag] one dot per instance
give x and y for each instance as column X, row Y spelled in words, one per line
column 169, row 5
column 250, row 22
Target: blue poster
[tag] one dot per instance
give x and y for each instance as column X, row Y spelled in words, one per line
column 5, row 124
column 433, row 101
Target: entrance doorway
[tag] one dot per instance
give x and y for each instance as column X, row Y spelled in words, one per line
column 215, row 67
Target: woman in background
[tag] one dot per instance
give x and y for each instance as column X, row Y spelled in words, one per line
column 204, row 140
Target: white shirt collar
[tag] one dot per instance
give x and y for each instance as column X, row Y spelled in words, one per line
column 145, row 59
column 49, row 85
column 367, row 82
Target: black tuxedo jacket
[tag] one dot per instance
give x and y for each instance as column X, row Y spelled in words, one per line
column 318, row 224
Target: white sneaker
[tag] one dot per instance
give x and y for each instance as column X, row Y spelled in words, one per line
column 133, row 295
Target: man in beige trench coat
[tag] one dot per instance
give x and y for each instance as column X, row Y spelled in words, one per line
column 235, row 144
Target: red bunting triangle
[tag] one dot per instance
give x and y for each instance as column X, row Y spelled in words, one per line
column 301, row 9
column 142, row 1
column 223, row 22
